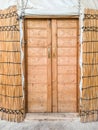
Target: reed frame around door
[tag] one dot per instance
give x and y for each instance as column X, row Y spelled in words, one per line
column 63, row 17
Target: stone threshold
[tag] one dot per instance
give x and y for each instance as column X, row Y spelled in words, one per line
column 51, row 116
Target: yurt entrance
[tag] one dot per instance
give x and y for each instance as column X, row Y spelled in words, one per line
column 51, row 65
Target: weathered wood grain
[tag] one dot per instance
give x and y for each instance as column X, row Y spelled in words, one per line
column 38, row 38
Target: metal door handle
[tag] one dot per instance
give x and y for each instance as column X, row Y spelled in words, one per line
column 54, row 52
column 49, row 52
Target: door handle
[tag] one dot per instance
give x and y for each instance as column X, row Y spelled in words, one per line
column 54, row 52
column 49, row 52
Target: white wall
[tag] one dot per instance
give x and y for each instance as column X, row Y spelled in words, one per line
column 6, row 3
column 67, row 7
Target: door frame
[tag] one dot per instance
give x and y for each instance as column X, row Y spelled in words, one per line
column 78, row 49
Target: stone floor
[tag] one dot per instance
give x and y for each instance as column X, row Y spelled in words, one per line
column 49, row 122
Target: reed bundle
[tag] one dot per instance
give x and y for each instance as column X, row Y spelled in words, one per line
column 89, row 106
column 11, row 96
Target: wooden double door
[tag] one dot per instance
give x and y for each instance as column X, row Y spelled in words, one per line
column 51, row 65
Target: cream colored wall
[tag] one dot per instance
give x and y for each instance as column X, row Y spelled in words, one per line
column 56, row 7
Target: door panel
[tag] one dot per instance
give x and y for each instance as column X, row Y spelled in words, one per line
column 38, row 37
column 67, row 35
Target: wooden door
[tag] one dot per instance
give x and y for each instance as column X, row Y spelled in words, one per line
column 52, row 65
column 65, row 65
column 38, row 65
